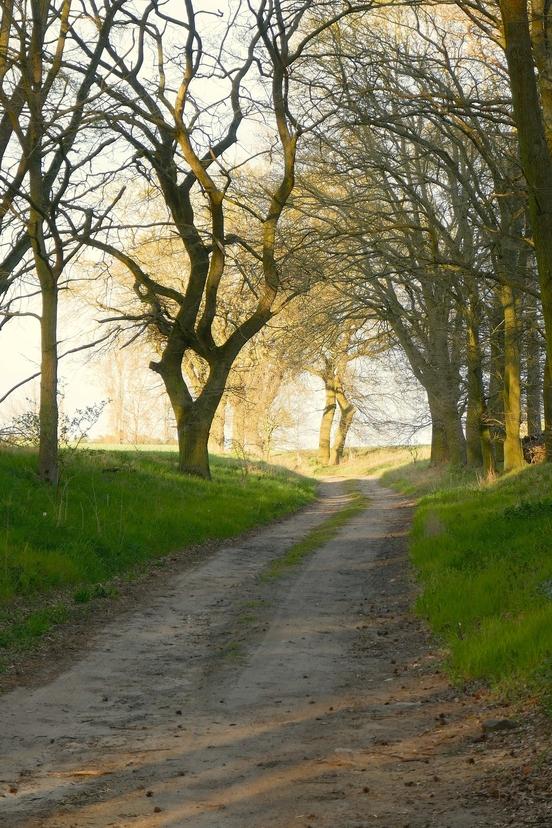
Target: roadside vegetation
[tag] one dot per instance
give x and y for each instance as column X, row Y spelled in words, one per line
column 358, row 462
column 111, row 514
column 483, row 554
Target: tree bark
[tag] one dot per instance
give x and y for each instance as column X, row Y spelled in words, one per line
column 193, row 438
column 238, row 424
column 547, row 398
column 194, row 417
column 448, row 444
column 216, row 438
column 48, row 463
column 325, row 436
column 536, row 158
column 474, row 414
column 439, row 450
column 513, row 452
column 534, row 376
column 478, row 432
column 496, row 383
column 347, row 412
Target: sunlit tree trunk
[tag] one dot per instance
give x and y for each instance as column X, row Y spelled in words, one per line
column 547, row 399
column 48, row 460
column 513, row 452
column 534, row 373
column 48, row 464
column 439, row 449
column 448, row 444
column 194, row 417
column 496, row 382
column 325, row 435
column 478, row 432
column 216, row 438
column 346, row 415
column 475, row 411
column 238, row 424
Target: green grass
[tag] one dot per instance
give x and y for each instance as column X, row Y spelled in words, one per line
column 357, row 462
column 113, row 512
column 483, row 552
column 318, row 536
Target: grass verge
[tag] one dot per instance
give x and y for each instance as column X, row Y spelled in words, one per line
column 483, row 553
column 112, row 514
column 318, row 536
column 358, row 462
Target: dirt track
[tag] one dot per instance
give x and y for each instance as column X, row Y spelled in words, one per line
column 224, row 701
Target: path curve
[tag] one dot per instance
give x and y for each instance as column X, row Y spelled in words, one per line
column 227, row 702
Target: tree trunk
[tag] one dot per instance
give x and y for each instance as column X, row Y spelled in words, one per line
column 193, row 438
column 478, row 433
column 439, row 449
column 474, row 414
column 534, row 378
column 513, row 452
column 48, row 467
column 238, row 425
column 347, row 412
column 448, row 444
column 326, row 423
column 253, row 430
column 536, row 158
column 456, row 441
column 496, row 383
column 194, row 417
column 216, row 438
column 547, row 397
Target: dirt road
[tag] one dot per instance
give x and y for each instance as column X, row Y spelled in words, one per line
column 314, row 699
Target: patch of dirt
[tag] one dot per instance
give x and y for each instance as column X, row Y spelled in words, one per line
column 313, row 700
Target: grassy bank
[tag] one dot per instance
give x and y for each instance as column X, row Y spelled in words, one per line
column 358, row 462
column 483, row 552
column 112, row 513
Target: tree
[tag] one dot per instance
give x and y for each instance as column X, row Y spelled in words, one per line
column 45, row 166
column 181, row 137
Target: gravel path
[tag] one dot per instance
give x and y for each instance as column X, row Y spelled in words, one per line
column 311, row 700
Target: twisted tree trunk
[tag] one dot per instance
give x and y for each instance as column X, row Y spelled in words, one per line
column 325, row 435
column 347, row 412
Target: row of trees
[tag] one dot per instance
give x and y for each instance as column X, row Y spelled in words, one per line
column 99, row 96
column 363, row 179
column 427, row 201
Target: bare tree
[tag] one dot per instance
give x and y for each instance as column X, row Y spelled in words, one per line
column 181, row 136
column 45, row 166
